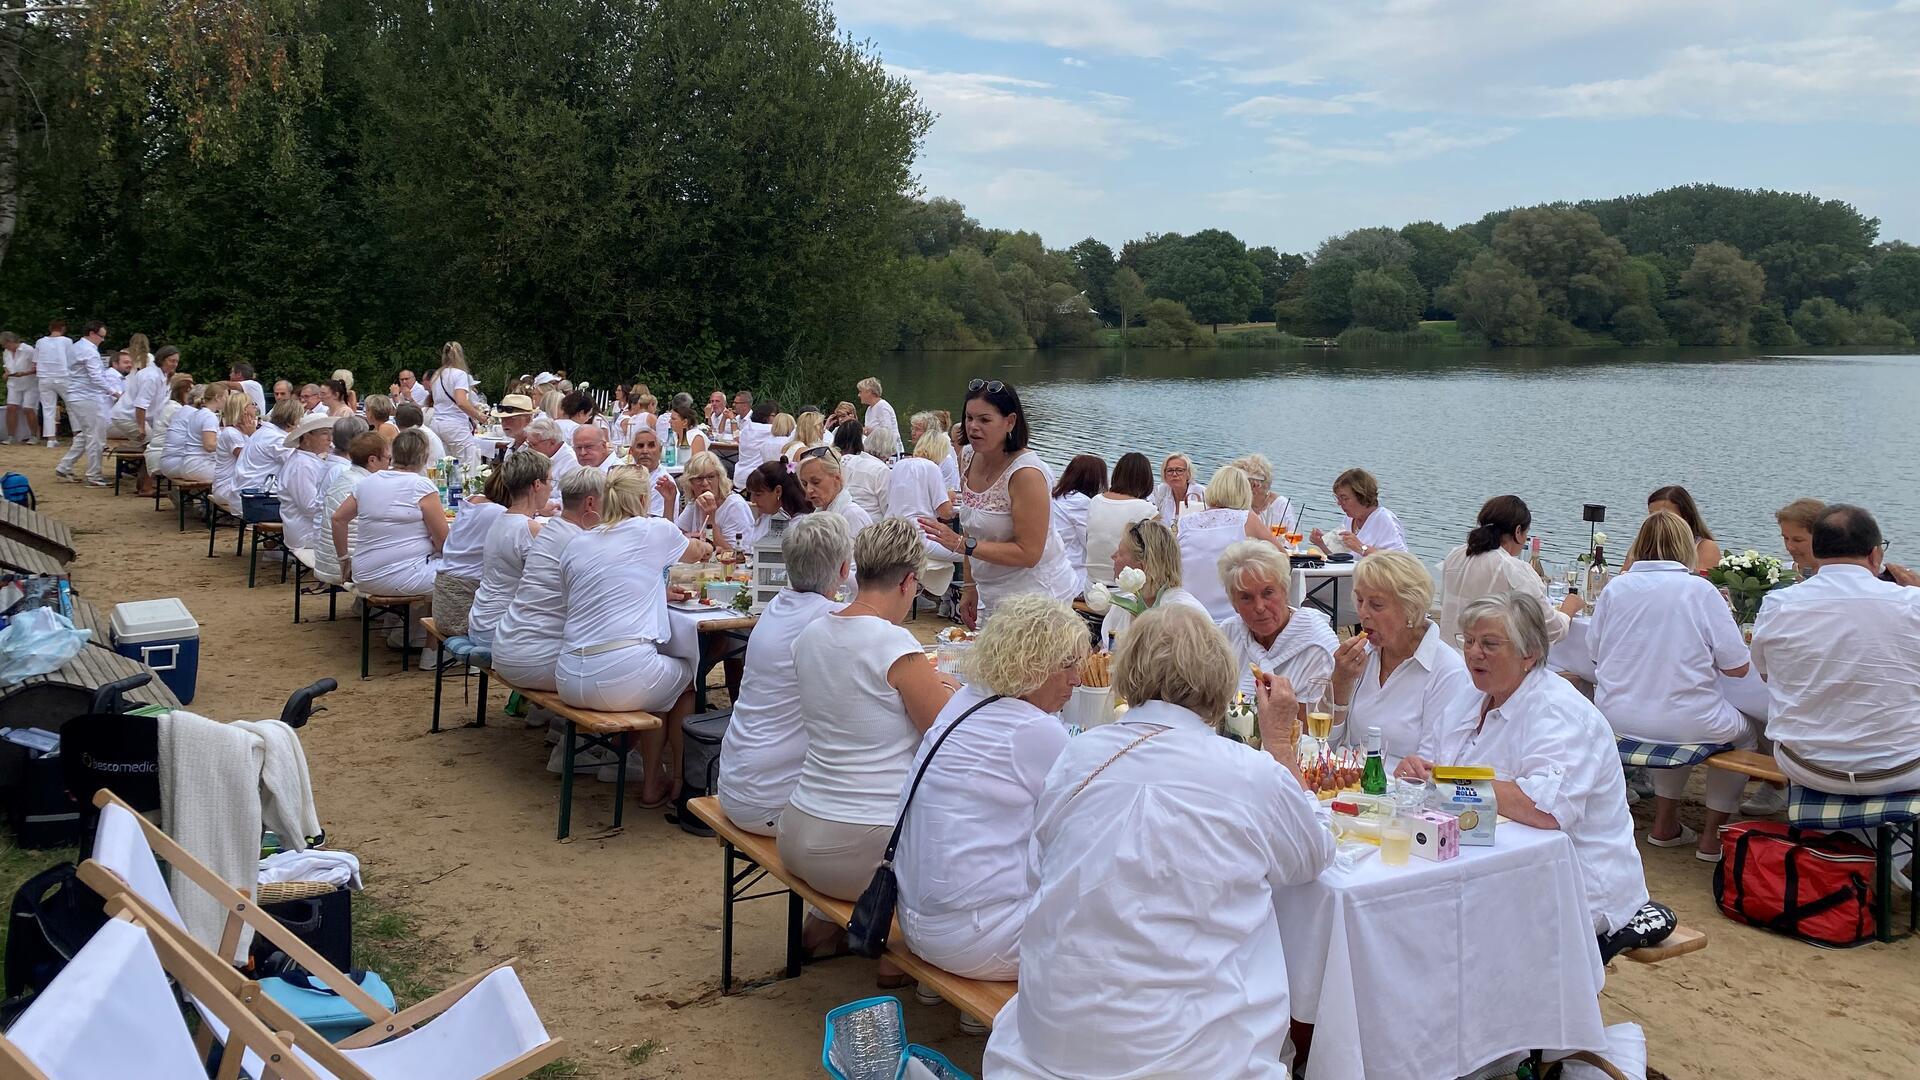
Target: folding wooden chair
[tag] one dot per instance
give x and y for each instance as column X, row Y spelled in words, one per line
column 484, row 1028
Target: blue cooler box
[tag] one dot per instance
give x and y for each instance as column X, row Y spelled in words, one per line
column 163, row 635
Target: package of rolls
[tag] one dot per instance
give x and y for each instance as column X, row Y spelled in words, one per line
column 1092, row 703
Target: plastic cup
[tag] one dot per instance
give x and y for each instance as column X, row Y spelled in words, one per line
column 1396, row 841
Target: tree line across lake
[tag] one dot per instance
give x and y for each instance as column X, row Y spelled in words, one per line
column 722, row 193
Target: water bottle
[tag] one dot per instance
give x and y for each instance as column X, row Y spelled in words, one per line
column 453, row 485
column 1373, row 780
column 672, row 455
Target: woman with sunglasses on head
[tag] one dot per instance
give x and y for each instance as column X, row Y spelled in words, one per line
column 1006, row 509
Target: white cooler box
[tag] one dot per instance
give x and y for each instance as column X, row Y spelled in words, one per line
column 163, row 635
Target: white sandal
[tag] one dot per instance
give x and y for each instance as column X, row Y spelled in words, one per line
column 1686, row 837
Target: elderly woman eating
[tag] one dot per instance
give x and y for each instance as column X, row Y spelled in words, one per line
column 766, row 739
column 613, row 580
column 1398, row 674
column 1662, row 636
column 1368, row 527
column 1266, row 630
column 965, row 856
column 524, row 475
column 712, row 511
column 866, row 694
column 1554, row 761
column 1149, row 547
column 1151, row 947
column 1206, row 534
column 526, row 641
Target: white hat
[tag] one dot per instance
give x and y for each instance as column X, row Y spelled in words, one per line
column 544, row 378
column 513, row 405
column 305, row 428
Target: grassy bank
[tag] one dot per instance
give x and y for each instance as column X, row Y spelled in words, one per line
column 1432, row 334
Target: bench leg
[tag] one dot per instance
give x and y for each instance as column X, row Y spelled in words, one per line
column 726, row 921
column 213, row 530
column 240, row 538
column 480, row 707
column 796, row 918
column 566, row 781
column 1883, row 843
column 439, row 676
column 366, row 638
column 285, row 558
column 253, row 558
column 620, row 778
column 333, row 597
column 298, row 572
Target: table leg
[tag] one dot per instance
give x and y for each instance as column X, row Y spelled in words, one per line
column 253, row 559
column 480, row 708
column 298, row 573
column 406, row 636
column 620, row 777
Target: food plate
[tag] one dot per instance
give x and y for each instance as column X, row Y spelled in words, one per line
column 694, row 606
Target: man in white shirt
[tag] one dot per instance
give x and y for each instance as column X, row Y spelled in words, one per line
column 409, row 389
column 645, row 451
column 879, row 413
column 756, row 432
column 1840, row 652
column 89, row 395
column 544, row 435
column 50, row 360
column 241, row 375
column 590, row 449
column 282, row 390
column 23, row 388
column 720, row 419
column 140, row 400
column 310, row 400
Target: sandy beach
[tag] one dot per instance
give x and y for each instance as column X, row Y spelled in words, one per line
column 618, row 934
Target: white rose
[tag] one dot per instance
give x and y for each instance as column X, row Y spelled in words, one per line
column 1132, row 580
column 1599, row 538
column 1752, row 554
column 1098, row 598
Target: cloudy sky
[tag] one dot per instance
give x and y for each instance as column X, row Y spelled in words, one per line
column 1288, row 120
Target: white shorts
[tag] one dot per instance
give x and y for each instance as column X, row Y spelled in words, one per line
column 24, row 391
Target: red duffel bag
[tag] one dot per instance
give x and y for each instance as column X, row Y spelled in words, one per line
column 1812, row 885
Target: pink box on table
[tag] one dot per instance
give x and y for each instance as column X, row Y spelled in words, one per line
column 1436, row 835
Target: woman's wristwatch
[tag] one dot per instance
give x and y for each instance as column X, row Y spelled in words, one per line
column 968, row 543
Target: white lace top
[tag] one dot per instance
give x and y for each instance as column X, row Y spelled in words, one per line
column 988, row 516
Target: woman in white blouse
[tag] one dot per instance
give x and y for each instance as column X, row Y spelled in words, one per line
column 1206, row 534
column 456, row 405
column 1488, row 564
column 1554, row 760
column 1083, row 479
column 712, row 511
column 1369, row 527
column 526, row 641
column 1398, row 676
column 1109, row 513
column 965, row 857
column 401, row 525
column 1266, row 630
column 613, row 587
column 866, row 471
column 1662, row 636
column 1129, row 965
column 178, row 388
column 524, row 476
column 866, row 693
column 238, row 419
column 1177, row 494
column 1149, row 547
column 685, row 432
column 1006, row 522
column 772, row 490
column 1275, row 512
column 193, row 435
column 766, row 740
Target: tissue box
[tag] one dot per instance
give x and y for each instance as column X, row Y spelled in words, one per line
column 1436, row 836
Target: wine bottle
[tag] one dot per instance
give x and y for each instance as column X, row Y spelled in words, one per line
column 1373, row 779
column 1533, row 559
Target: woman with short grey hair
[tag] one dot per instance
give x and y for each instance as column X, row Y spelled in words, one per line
column 1554, row 760
column 525, row 476
column 766, row 740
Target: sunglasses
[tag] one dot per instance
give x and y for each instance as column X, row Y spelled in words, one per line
column 991, row 386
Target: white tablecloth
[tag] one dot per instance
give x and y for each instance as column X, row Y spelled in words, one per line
column 1338, row 579
column 1434, row 969
column 685, row 628
column 1573, row 654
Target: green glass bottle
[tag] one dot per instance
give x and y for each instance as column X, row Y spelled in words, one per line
column 1373, row 781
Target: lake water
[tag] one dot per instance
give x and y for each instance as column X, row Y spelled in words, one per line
column 1445, row 429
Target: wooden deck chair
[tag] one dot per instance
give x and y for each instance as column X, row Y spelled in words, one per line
column 109, row 1012
column 482, row 1027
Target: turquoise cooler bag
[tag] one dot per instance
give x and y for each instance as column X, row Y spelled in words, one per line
column 326, row 1012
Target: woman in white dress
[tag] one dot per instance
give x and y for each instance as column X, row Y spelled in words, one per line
column 766, row 740
column 917, row 488
column 965, row 857
column 1399, row 675
column 1554, row 760
column 1488, row 564
column 237, row 421
column 193, row 435
column 613, row 586
column 1369, row 527
column 1083, row 479
column 1274, row 510
column 1129, row 965
column 1205, row 535
column 1110, row 512
column 1005, row 517
column 401, row 525
column 1662, row 636
column 178, row 387
column 712, row 510
column 1266, row 630
column 1177, row 493
column 1149, row 547
column 526, row 640
column 456, row 406
column 524, row 477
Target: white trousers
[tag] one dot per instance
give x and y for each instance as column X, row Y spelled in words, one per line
column 53, row 389
column 1723, row 785
column 636, row 678
column 982, row 944
column 89, row 421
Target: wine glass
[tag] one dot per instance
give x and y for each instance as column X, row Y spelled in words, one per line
column 1315, row 698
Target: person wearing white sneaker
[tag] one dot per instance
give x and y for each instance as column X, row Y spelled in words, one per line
column 1662, row 636
column 89, row 393
column 50, row 362
column 23, row 388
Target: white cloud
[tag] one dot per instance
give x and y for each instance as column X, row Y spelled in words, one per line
column 1033, row 123
column 1268, row 106
column 1793, row 81
column 1074, row 61
column 1293, row 152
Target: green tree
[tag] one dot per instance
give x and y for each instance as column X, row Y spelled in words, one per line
column 935, row 227
column 1210, row 274
column 1276, row 270
column 1129, row 298
column 1383, row 300
column 1718, row 296
column 1168, row 323
column 1555, row 245
column 1437, row 252
column 1797, row 271
column 1070, row 322
column 1820, row 321
column 1894, row 283
column 1377, row 248
column 1638, row 324
column 1327, row 303
column 1877, row 328
column 1496, row 299
column 1095, row 263
column 1770, row 329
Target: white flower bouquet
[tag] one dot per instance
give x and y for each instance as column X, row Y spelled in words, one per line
column 1748, row 576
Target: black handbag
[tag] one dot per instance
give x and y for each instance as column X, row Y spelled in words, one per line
column 873, row 913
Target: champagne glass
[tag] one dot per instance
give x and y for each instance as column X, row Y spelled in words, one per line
column 1316, row 700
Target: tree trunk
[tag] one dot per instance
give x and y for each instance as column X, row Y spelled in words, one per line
column 12, row 31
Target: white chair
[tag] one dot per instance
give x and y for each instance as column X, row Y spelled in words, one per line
column 109, row 1012
column 482, row 1029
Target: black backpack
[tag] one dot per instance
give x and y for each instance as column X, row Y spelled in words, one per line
column 53, row 917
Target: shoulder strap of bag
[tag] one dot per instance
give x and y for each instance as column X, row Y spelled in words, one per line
column 894, row 840
column 1103, row 765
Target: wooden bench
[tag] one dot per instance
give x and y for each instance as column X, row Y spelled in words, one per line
column 588, row 729
column 1683, row 940
column 303, row 565
column 188, row 491
column 1749, row 763
column 37, row 531
column 751, row 858
column 128, row 460
column 439, row 641
column 273, row 534
column 372, row 604
column 20, row 558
